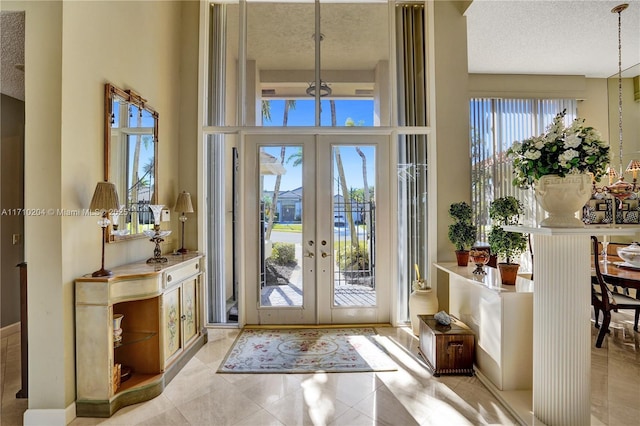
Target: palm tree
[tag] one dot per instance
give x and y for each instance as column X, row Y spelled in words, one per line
column 367, row 196
column 288, row 104
column 296, row 157
column 343, row 181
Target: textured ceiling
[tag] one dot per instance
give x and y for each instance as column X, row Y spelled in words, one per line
column 551, row 37
column 12, row 63
column 505, row 37
column 280, row 36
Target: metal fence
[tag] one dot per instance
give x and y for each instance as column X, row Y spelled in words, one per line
column 354, row 243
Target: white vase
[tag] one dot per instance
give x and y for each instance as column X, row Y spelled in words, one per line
column 562, row 197
column 421, row 302
column 117, row 330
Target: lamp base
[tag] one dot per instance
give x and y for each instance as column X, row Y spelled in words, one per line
column 182, row 250
column 101, row 273
column 157, row 260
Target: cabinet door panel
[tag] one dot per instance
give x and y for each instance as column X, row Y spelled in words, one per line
column 189, row 313
column 171, row 322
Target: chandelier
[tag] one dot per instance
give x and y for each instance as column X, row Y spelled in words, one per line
column 325, row 90
column 622, row 190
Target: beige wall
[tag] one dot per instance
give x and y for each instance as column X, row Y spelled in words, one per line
column 134, row 45
column 452, row 124
column 630, row 123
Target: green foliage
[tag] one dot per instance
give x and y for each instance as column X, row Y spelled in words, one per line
column 283, row 253
column 506, row 211
column 461, row 211
column 462, row 233
column 351, row 257
column 507, row 245
column 560, row 151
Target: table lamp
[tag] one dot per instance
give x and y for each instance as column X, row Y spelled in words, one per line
column 105, row 199
column 183, row 205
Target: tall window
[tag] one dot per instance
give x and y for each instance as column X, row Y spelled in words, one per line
column 495, row 125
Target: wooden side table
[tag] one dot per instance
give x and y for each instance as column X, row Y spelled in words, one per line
column 447, row 349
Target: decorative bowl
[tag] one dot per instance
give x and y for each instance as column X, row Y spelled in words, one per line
column 479, row 258
column 630, row 254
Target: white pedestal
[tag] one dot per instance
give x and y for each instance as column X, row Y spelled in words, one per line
column 561, row 321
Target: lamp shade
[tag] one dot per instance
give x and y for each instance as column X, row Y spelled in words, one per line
column 105, row 197
column 634, row 166
column 183, row 204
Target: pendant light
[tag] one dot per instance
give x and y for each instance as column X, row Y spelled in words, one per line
column 620, row 190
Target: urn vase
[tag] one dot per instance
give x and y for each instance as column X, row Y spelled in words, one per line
column 562, row 197
column 421, row 302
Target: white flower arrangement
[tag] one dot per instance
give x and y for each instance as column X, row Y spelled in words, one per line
column 562, row 150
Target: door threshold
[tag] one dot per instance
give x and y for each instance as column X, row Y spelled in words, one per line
column 312, row 326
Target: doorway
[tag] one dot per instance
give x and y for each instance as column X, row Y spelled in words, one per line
column 315, row 228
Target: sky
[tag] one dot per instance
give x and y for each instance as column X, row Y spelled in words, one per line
column 360, row 111
column 352, row 165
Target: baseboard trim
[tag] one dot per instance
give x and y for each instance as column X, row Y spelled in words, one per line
column 39, row 417
column 9, row 330
column 518, row 403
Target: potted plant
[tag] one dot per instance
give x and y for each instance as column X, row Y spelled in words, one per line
column 462, row 233
column 506, row 245
column 558, row 165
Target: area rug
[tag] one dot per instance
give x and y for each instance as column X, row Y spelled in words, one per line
column 331, row 350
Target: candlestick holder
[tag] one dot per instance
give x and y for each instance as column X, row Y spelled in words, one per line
column 156, row 236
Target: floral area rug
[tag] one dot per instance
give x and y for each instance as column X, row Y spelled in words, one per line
column 330, row 350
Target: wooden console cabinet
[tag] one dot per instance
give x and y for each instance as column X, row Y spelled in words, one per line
column 163, row 327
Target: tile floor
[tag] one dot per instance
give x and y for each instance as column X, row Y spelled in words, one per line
column 409, row 396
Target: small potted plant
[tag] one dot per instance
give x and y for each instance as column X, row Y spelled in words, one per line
column 506, row 245
column 462, row 233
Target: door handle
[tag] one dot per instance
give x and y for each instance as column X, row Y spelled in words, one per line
column 325, row 254
column 309, row 254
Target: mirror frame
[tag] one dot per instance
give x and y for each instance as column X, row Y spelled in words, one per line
column 131, row 97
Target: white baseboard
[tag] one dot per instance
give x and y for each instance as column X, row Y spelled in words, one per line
column 9, row 330
column 50, row 417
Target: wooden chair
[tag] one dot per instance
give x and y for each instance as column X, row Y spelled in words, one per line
column 606, row 301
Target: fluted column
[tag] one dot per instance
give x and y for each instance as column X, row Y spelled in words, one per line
column 562, row 321
column 561, row 335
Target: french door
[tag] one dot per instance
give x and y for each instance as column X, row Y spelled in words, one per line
column 316, row 229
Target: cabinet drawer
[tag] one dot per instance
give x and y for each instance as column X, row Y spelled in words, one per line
column 188, row 269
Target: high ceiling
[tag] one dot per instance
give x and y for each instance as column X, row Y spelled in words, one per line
column 552, row 37
column 564, row 37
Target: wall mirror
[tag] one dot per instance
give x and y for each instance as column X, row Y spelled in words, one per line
column 130, row 160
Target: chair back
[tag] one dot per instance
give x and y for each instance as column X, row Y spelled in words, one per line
column 605, row 296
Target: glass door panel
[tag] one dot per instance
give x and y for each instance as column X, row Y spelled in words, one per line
column 281, row 188
column 353, row 196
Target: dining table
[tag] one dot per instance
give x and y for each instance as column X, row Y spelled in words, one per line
column 617, row 272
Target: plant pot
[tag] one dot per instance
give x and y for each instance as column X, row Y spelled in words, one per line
column 508, row 272
column 562, row 197
column 421, row 302
column 462, row 256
